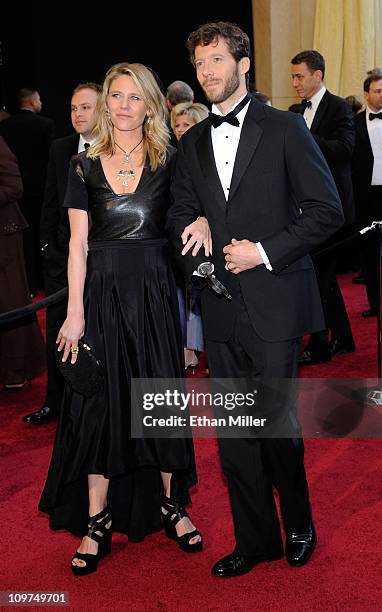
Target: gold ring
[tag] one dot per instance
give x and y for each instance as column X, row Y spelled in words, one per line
column 74, row 350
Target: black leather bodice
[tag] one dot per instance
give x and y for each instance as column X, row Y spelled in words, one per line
column 139, row 215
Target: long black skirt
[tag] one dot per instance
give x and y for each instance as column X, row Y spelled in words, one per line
column 132, row 325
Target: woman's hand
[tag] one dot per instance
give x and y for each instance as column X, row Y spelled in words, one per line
column 72, row 330
column 195, row 235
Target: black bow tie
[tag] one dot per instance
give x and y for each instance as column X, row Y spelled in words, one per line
column 231, row 118
column 375, row 116
column 86, row 145
column 306, row 103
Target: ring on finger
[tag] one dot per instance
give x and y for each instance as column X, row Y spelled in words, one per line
column 74, row 350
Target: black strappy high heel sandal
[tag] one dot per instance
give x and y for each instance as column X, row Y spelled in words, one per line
column 175, row 513
column 98, row 532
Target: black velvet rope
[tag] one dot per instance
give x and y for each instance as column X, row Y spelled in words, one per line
column 11, row 315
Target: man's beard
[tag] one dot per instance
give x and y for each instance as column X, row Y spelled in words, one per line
column 230, row 87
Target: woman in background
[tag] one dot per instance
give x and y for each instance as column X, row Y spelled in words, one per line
column 22, row 350
column 183, row 117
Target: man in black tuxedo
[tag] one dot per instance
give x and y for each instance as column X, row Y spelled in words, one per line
column 329, row 119
column 55, row 233
column 367, row 182
column 29, row 136
column 266, row 210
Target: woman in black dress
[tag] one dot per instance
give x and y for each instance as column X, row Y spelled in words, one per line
column 122, row 301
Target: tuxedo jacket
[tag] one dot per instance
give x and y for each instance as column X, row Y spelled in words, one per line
column 333, row 130
column 29, row 136
column 362, row 170
column 282, row 194
column 54, row 226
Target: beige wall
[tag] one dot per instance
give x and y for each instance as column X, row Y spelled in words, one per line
column 281, row 28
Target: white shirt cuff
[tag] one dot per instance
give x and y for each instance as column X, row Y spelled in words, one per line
column 264, row 256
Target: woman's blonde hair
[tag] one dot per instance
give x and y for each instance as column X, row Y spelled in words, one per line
column 194, row 110
column 155, row 131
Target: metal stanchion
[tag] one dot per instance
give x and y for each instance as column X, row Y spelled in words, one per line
column 373, row 395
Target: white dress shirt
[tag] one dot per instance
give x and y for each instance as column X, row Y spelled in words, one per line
column 374, row 129
column 315, row 100
column 81, row 143
column 225, row 141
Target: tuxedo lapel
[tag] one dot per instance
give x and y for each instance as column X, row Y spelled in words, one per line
column 207, row 165
column 364, row 134
column 320, row 112
column 249, row 139
column 72, row 148
column 68, row 148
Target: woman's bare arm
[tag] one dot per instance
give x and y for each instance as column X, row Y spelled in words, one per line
column 74, row 325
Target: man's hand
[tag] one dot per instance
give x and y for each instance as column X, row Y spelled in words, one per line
column 195, row 235
column 241, row 255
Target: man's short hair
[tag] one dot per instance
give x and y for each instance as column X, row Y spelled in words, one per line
column 178, row 92
column 236, row 39
column 94, row 86
column 374, row 76
column 25, row 94
column 313, row 59
column 260, row 96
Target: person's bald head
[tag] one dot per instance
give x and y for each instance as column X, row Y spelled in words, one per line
column 178, row 92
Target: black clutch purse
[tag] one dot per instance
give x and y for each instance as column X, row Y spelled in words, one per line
column 86, row 375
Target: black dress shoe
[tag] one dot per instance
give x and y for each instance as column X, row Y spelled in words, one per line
column 300, row 546
column 42, row 416
column 372, row 312
column 309, row 357
column 358, row 280
column 339, row 348
column 237, row 565
column 6, row 389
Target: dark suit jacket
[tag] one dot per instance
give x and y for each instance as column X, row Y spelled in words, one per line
column 29, row 137
column 362, row 170
column 287, row 204
column 333, row 130
column 54, row 227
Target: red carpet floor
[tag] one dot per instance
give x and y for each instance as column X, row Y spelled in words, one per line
column 344, row 477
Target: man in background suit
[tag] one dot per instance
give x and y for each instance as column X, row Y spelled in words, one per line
column 329, row 119
column 29, row 136
column 266, row 210
column 367, row 181
column 55, row 233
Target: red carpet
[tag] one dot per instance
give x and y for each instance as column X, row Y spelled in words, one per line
column 344, row 476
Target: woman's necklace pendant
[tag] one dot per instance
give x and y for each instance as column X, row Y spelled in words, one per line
column 126, row 175
column 129, row 174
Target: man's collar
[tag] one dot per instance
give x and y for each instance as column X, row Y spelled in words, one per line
column 317, row 97
column 215, row 109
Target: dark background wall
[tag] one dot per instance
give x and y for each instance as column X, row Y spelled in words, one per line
column 79, row 46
